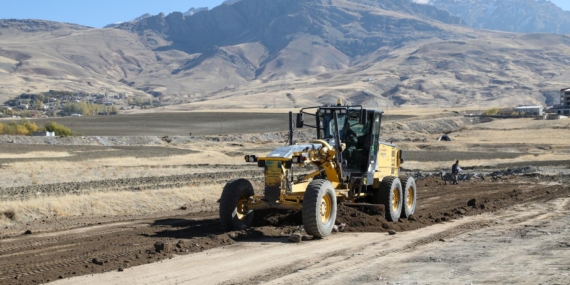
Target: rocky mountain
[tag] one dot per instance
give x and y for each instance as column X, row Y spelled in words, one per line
column 276, row 24
column 230, row 2
column 522, row 16
column 290, row 53
column 139, row 18
column 37, row 26
column 193, row 11
column 190, row 12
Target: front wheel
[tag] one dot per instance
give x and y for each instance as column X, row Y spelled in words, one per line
column 233, row 205
column 319, row 208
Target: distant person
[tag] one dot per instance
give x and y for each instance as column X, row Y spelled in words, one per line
column 455, row 169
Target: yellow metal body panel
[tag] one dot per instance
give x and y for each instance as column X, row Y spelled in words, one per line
column 331, row 171
column 274, row 158
column 389, row 159
column 300, row 187
column 273, row 173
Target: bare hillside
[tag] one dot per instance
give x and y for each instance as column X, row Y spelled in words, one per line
column 257, row 53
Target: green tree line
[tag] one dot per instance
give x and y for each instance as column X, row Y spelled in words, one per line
column 88, row 109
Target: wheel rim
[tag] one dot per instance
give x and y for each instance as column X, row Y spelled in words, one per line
column 410, row 201
column 326, row 208
column 241, row 211
column 395, row 199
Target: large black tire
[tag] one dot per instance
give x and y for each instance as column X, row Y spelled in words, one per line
column 319, row 208
column 232, row 214
column 390, row 195
column 409, row 200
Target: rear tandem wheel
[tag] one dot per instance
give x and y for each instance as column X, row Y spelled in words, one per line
column 409, row 196
column 390, row 195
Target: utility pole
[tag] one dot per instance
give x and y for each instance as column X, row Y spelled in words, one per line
column 479, row 99
column 500, row 97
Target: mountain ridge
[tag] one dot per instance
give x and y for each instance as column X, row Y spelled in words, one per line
column 523, row 16
column 297, row 53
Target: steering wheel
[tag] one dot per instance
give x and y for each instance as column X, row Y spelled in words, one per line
column 322, row 142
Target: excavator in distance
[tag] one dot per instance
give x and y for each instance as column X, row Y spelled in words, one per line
column 353, row 167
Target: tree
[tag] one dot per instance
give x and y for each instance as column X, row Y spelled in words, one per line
column 491, row 112
column 59, row 130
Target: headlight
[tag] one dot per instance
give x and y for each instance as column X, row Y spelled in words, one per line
column 250, row 158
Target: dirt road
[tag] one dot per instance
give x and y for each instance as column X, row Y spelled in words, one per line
column 527, row 244
column 202, row 254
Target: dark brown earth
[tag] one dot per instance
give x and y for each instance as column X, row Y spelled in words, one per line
column 38, row 258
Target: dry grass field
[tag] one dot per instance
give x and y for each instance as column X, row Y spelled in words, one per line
column 498, row 143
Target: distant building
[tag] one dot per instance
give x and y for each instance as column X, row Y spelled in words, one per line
column 43, row 134
column 530, row 110
column 564, row 108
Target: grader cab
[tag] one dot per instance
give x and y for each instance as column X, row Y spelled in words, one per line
column 353, row 167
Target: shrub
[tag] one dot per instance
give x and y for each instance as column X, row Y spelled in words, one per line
column 22, row 128
column 491, row 112
column 59, row 130
column 31, row 127
column 10, row 214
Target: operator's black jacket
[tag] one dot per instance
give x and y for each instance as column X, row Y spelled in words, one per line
column 455, row 169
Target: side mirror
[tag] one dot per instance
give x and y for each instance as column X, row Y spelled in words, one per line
column 363, row 116
column 300, row 121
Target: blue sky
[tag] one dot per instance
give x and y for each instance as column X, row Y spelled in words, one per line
column 94, row 13
column 564, row 4
column 98, row 13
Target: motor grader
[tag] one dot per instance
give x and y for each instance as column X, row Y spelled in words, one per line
column 352, row 166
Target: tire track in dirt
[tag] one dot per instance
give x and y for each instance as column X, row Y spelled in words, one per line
column 17, row 250
column 326, row 267
column 75, row 253
column 488, row 200
column 37, row 268
column 126, row 184
column 281, row 271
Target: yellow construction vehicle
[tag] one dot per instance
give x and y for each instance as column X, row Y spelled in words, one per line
column 353, row 166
